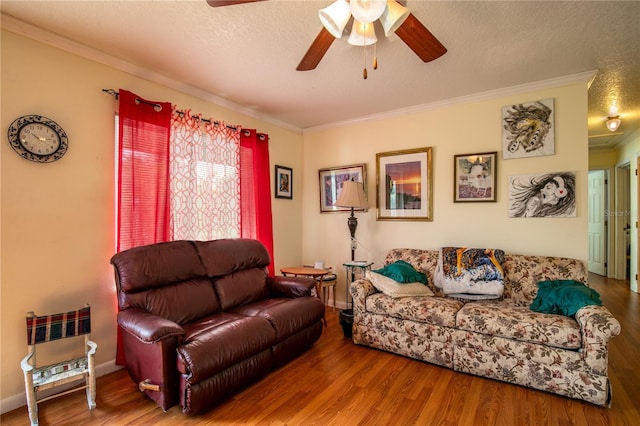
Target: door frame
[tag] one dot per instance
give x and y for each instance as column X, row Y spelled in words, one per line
column 621, row 215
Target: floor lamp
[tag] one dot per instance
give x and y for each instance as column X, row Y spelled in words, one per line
column 352, row 196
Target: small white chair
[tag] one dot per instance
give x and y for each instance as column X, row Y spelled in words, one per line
column 41, row 329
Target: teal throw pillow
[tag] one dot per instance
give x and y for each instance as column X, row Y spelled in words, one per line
column 564, row 297
column 402, row 272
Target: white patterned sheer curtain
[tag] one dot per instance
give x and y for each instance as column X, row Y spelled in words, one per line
column 205, row 179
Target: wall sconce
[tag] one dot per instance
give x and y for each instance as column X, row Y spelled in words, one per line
column 613, row 123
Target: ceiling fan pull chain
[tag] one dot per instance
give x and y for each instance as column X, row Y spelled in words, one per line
column 375, row 56
column 364, row 71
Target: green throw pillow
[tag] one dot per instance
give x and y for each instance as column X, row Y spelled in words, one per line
column 402, row 272
column 564, row 297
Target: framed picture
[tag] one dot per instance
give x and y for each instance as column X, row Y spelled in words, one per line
column 284, row 182
column 404, row 185
column 474, row 177
column 528, row 130
column 331, row 180
column 543, row 195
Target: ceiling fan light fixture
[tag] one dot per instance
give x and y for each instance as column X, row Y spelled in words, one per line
column 613, row 123
column 367, row 11
column 362, row 34
column 335, row 17
column 393, row 16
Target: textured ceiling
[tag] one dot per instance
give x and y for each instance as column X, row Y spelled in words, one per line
column 245, row 56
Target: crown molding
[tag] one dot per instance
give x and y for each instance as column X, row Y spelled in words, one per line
column 28, row 30
column 25, row 29
column 583, row 77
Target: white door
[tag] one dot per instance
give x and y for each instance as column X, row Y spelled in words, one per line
column 597, row 223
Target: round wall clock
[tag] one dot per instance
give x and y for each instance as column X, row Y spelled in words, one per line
column 38, row 138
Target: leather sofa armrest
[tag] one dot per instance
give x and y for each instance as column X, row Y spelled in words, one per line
column 290, row 286
column 597, row 325
column 147, row 327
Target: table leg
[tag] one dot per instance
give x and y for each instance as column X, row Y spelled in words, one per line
column 318, row 287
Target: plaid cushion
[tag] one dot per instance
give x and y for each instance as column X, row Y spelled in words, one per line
column 42, row 329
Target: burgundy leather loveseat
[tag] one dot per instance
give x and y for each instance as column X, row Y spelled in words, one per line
column 202, row 319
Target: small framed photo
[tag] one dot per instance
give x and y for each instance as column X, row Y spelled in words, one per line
column 331, row 180
column 474, row 177
column 284, row 182
column 405, row 185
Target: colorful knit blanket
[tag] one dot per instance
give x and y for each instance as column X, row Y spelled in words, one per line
column 471, row 273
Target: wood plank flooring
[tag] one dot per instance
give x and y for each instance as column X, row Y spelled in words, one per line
column 339, row 383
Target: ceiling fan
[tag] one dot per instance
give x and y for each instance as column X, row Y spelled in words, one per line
column 411, row 31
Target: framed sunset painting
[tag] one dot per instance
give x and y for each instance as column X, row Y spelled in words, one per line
column 404, row 185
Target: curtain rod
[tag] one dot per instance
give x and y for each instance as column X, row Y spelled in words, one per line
column 114, row 93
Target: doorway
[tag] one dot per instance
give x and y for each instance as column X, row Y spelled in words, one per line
column 597, row 208
column 623, row 222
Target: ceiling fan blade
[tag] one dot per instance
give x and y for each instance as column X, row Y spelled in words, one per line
column 316, row 51
column 217, row 3
column 420, row 40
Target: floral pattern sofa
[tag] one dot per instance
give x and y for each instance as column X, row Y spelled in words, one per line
column 500, row 339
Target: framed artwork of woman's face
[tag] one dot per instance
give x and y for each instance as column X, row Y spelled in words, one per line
column 543, row 195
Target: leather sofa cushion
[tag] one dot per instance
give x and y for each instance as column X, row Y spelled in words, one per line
column 220, row 342
column 241, row 287
column 287, row 316
column 226, row 256
column 520, row 323
column 182, row 302
column 156, row 265
column 194, row 329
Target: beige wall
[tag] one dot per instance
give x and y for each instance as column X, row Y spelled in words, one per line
column 602, row 159
column 464, row 128
column 57, row 218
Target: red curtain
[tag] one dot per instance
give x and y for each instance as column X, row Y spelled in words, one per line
column 255, row 190
column 143, row 176
column 144, row 180
column 143, row 172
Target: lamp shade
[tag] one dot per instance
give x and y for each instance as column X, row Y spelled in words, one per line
column 352, row 196
column 335, row 17
column 367, row 11
column 393, row 16
column 362, row 34
column 613, row 123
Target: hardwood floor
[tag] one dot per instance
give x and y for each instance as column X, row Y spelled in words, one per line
column 339, row 383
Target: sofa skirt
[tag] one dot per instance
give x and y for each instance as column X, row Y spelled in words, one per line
column 420, row 348
column 524, row 371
